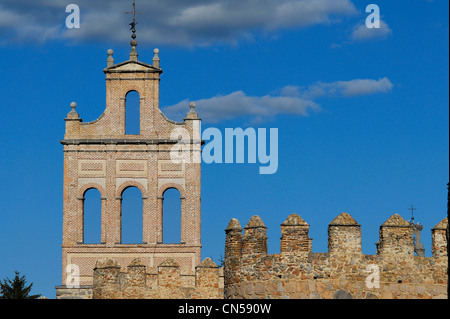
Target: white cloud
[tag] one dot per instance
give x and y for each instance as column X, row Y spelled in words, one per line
column 348, row 88
column 291, row 99
column 16, row 26
column 8, row 18
column 238, row 104
column 362, row 32
column 364, row 87
column 180, row 22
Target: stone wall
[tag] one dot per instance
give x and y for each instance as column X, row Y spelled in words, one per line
column 167, row 281
column 82, row 292
column 342, row 272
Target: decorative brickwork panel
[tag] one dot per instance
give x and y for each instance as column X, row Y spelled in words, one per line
column 92, row 167
column 131, row 168
column 168, row 169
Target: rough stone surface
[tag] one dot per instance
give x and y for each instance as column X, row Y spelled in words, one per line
column 343, row 272
column 168, row 281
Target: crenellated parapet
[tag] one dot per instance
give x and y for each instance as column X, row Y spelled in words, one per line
column 342, row 272
column 438, row 239
column 167, row 281
column 396, row 238
column 295, row 235
column 233, row 244
column 344, row 236
column 255, row 237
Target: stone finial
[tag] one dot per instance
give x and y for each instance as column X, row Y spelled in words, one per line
column 192, row 106
column 295, row 235
column 396, row 221
column 234, row 225
column 169, row 262
column 156, row 58
column 442, row 225
column 106, row 263
column 207, row 263
column 73, row 105
column 73, row 115
column 133, row 53
column 255, row 222
column 110, row 60
column 344, row 236
column 396, row 237
column 255, row 239
column 136, row 262
column 192, row 114
column 294, row 220
column 343, row 219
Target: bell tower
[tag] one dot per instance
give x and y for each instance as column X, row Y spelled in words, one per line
column 100, row 155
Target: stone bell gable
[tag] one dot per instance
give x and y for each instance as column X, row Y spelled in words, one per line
column 103, row 155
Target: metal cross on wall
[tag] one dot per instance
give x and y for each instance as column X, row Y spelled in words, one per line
column 412, row 209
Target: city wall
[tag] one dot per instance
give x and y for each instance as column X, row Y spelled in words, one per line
column 343, row 272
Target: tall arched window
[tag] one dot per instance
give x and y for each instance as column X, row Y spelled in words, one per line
column 132, row 113
column 132, row 216
column 171, row 216
column 92, row 216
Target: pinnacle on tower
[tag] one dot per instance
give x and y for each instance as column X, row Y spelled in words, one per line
column 156, row 58
column 110, row 60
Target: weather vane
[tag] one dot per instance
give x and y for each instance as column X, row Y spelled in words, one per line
column 133, row 24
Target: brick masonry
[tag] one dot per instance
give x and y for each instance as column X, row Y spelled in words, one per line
column 100, row 155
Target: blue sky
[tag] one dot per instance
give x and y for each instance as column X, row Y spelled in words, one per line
column 362, row 117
